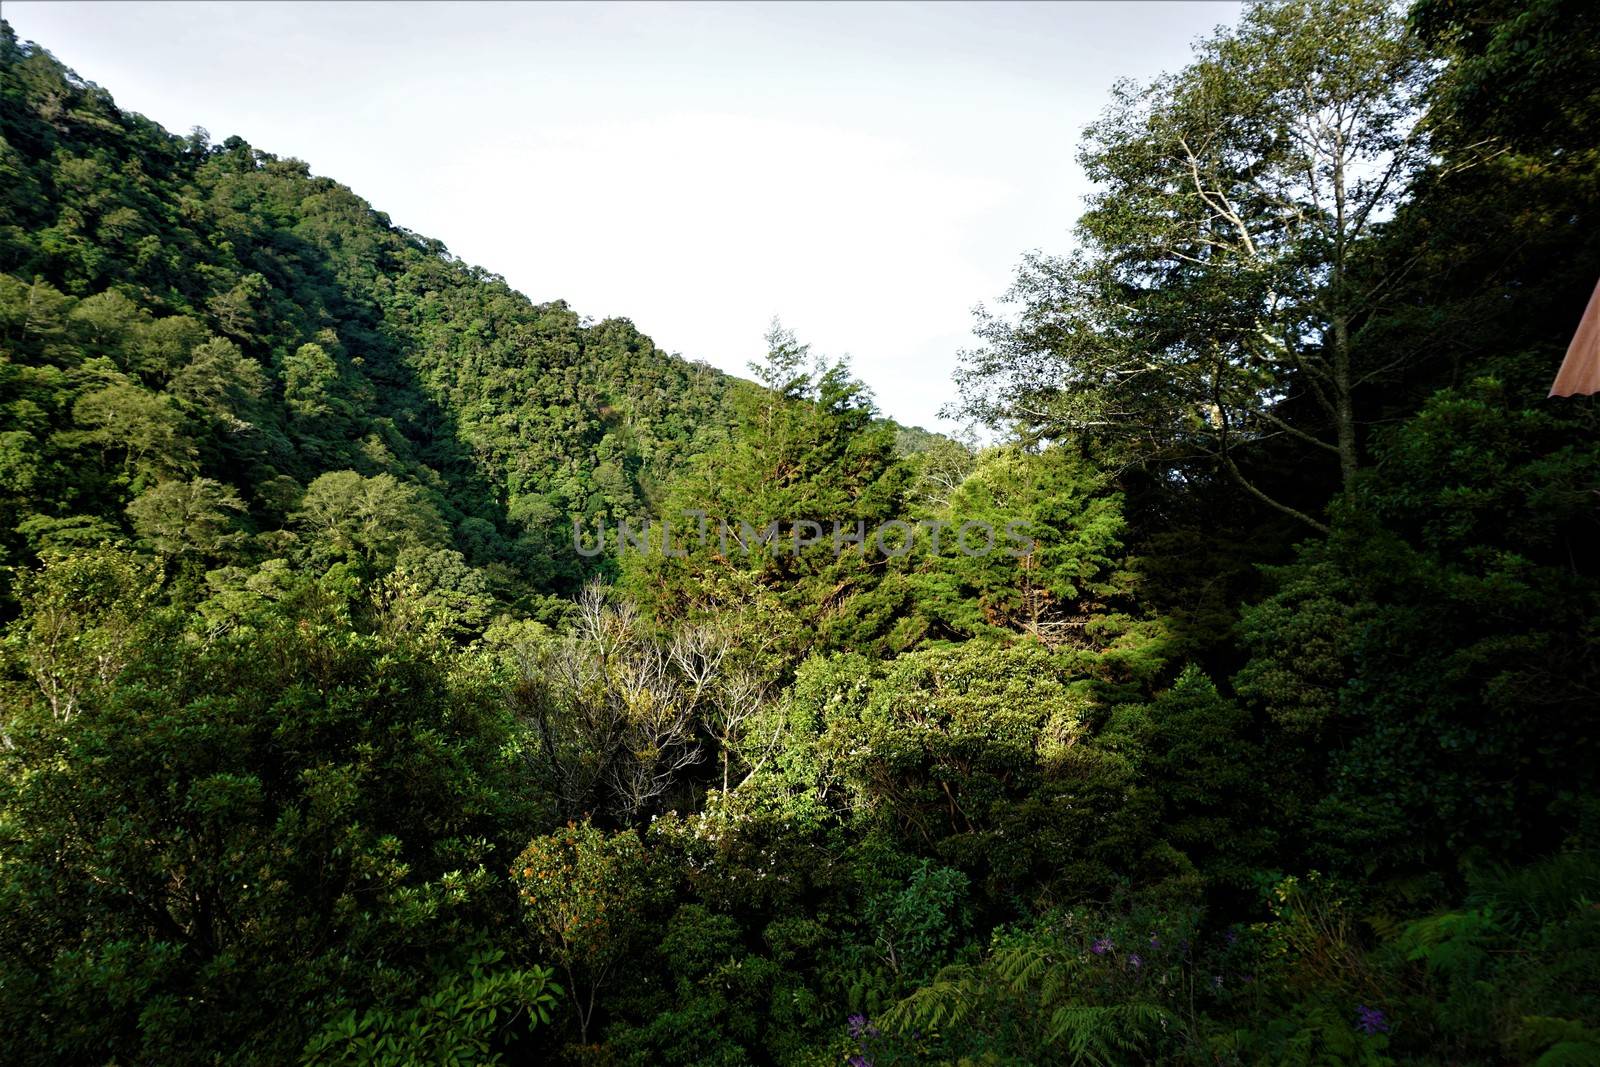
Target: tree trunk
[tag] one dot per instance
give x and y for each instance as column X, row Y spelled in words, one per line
column 1344, row 403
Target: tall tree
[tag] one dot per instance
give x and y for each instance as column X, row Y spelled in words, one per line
column 1217, row 295
column 782, row 498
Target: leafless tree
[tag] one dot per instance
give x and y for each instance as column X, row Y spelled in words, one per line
column 735, row 700
column 559, row 694
column 613, row 725
column 698, row 651
column 618, row 717
column 659, row 738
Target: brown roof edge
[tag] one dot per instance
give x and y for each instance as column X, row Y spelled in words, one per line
column 1580, row 371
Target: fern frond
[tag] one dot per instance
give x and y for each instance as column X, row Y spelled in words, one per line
column 1021, row 966
column 1102, row 1036
column 944, row 1002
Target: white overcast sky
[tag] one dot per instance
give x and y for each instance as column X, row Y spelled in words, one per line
column 867, row 172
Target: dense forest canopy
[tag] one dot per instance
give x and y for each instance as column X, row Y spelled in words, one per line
column 324, row 739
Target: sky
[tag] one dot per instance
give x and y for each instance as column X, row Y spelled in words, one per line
column 868, row 173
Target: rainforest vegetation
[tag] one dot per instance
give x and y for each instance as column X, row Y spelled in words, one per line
column 320, row 742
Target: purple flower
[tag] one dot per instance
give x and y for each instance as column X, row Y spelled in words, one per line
column 857, row 1024
column 1135, row 960
column 1155, row 942
column 1102, row 946
column 859, row 1061
column 1371, row 1020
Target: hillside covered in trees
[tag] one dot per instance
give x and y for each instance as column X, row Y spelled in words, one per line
column 396, row 670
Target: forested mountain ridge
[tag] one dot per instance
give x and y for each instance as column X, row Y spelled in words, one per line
column 321, row 742
column 175, row 309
